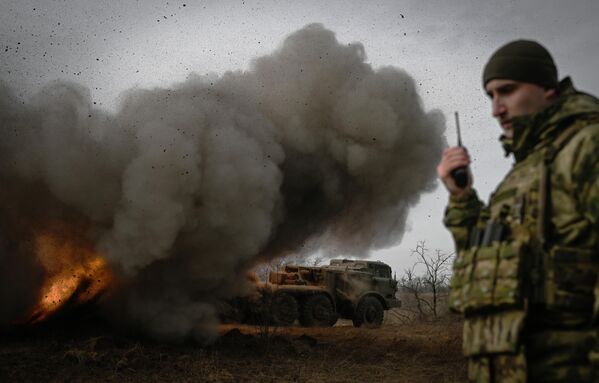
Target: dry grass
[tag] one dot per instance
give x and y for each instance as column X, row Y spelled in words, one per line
column 413, row 311
column 394, row 353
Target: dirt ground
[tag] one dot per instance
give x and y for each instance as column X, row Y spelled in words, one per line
column 393, row 353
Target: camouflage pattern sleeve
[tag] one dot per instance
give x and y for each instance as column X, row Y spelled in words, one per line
column 460, row 216
column 587, row 171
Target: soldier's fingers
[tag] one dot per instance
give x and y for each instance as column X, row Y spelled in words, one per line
column 450, row 165
column 444, row 169
column 456, row 156
column 455, row 149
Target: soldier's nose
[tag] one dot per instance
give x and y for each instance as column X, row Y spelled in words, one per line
column 498, row 108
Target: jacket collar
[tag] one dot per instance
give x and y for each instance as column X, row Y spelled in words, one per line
column 537, row 130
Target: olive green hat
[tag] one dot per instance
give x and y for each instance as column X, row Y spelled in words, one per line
column 522, row 60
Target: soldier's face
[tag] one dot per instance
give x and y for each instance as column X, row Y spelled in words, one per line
column 514, row 98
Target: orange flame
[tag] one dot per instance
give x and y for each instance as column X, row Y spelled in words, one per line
column 75, row 273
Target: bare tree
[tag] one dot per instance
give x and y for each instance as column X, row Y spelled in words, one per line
column 434, row 280
column 413, row 285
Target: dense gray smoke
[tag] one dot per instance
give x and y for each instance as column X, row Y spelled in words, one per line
column 184, row 189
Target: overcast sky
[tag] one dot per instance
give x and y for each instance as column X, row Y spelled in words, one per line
column 111, row 46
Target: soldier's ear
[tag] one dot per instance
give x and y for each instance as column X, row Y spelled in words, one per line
column 550, row 94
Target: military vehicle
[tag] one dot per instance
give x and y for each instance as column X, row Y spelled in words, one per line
column 318, row 296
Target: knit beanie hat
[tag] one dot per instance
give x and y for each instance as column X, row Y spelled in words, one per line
column 522, row 60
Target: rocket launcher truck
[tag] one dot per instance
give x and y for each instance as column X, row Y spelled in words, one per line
column 318, row 296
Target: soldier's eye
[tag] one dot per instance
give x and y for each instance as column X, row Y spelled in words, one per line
column 506, row 89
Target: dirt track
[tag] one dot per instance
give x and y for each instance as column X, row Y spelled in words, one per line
column 399, row 353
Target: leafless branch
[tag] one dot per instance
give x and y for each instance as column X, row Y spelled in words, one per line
column 434, row 280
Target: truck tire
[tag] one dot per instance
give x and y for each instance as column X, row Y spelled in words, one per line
column 317, row 311
column 284, row 309
column 369, row 313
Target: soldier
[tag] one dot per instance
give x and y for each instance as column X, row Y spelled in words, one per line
column 527, row 262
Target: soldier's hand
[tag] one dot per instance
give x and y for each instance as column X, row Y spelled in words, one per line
column 454, row 158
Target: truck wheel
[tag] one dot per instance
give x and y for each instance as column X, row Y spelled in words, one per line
column 317, row 311
column 284, row 309
column 369, row 313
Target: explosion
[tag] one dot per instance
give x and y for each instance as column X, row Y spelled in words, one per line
column 76, row 273
column 185, row 189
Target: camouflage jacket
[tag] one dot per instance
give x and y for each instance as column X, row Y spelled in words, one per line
column 533, row 248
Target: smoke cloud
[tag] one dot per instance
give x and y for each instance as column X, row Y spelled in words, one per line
column 184, row 189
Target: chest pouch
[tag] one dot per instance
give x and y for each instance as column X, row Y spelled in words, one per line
column 460, row 279
column 493, row 334
column 487, row 278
